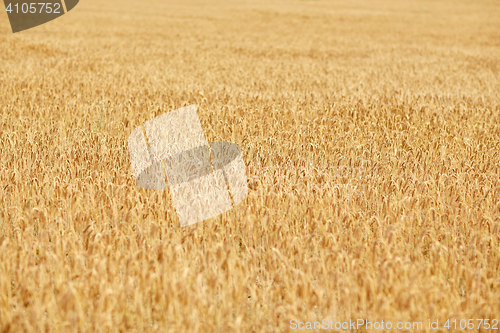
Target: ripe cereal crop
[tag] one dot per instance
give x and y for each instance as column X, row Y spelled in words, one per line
column 370, row 131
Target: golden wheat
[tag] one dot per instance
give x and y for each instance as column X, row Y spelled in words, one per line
column 371, row 135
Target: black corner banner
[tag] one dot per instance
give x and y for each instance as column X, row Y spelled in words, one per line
column 24, row 14
column 70, row 4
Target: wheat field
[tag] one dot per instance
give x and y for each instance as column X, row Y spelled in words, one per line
column 371, row 137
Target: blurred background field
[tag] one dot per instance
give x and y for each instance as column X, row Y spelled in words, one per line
column 370, row 131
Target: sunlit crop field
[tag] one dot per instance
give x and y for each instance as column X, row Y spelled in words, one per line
column 371, row 136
